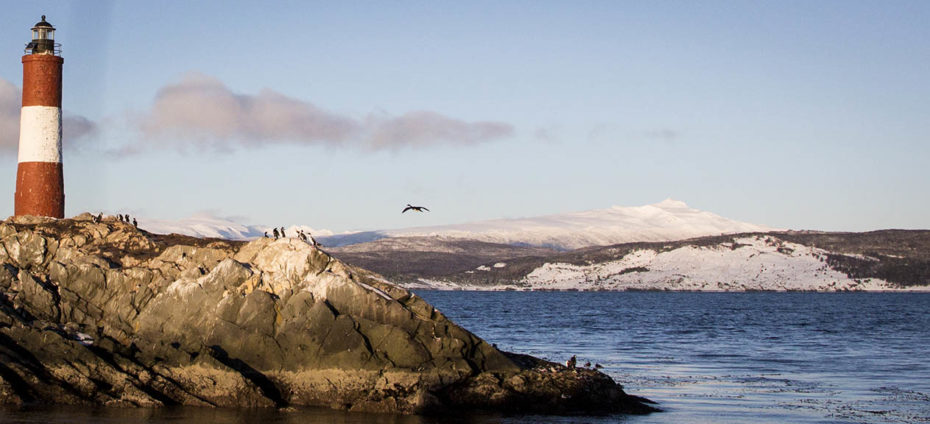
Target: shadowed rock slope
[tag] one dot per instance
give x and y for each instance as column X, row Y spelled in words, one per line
column 105, row 314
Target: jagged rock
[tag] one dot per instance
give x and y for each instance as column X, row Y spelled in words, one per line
column 106, row 314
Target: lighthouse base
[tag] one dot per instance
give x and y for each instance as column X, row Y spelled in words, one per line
column 40, row 189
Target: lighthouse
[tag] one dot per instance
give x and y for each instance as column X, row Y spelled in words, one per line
column 40, row 188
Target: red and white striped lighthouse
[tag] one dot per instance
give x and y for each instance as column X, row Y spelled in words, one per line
column 40, row 188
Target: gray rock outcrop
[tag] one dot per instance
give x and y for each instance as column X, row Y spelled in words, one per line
column 106, row 314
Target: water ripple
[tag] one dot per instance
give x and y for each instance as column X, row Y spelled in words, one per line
column 728, row 357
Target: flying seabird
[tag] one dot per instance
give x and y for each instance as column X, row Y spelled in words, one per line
column 414, row 208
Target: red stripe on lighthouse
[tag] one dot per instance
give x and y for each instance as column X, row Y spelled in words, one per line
column 40, row 189
column 42, row 80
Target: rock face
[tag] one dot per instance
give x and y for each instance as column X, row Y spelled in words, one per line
column 102, row 313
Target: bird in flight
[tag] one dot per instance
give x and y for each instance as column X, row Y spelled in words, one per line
column 414, row 208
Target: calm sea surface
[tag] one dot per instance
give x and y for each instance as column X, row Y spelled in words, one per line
column 705, row 357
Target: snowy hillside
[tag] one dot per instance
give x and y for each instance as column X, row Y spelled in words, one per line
column 663, row 221
column 752, row 263
column 757, row 262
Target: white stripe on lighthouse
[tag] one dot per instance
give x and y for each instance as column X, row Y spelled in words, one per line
column 40, row 134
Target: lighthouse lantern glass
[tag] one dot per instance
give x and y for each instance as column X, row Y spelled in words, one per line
column 43, row 34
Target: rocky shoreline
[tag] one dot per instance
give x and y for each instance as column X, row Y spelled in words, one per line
column 102, row 313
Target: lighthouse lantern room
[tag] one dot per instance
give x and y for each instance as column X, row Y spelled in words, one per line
column 43, row 39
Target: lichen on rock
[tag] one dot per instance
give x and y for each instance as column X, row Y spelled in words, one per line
column 102, row 313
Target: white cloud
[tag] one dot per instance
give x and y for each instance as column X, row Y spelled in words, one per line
column 9, row 116
column 423, row 128
column 74, row 127
column 202, row 109
column 662, row 134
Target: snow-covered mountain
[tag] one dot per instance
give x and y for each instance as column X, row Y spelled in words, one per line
column 750, row 263
column 756, row 262
column 663, row 221
column 206, row 225
column 202, row 225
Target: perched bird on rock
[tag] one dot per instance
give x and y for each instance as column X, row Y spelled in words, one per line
column 275, row 232
column 598, row 366
column 135, row 223
column 570, row 363
column 587, row 365
column 414, row 208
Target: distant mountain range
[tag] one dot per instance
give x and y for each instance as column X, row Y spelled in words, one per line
column 666, row 220
column 663, row 221
column 887, row 260
column 664, row 246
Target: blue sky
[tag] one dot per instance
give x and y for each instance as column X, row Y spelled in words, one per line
column 797, row 115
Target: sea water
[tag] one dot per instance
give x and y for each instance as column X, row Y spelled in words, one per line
column 704, row 357
column 728, row 357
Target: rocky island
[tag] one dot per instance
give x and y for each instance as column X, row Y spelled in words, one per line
column 102, row 313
